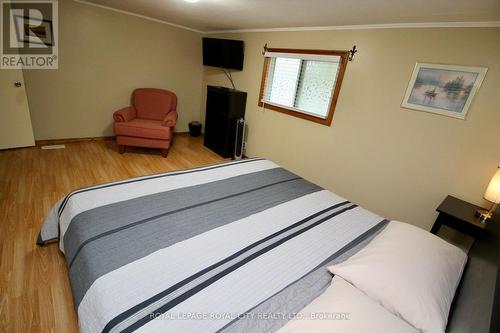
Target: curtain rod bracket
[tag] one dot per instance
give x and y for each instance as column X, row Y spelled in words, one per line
column 265, row 49
column 351, row 53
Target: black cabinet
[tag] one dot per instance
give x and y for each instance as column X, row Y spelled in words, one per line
column 224, row 107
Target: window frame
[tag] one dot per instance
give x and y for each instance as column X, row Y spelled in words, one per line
column 344, row 56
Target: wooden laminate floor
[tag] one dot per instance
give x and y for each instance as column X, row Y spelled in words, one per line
column 35, row 294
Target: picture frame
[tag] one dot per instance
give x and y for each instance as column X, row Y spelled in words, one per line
column 443, row 89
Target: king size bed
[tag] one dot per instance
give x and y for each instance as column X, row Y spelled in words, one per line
column 233, row 247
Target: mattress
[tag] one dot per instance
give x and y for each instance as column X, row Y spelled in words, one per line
column 238, row 246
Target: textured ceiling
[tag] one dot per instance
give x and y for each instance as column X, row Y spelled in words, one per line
column 213, row 15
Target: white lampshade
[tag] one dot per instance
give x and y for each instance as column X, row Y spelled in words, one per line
column 493, row 191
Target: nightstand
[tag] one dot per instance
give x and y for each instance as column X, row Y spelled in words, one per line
column 459, row 215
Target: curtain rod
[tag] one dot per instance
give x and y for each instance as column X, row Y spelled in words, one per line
column 352, row 52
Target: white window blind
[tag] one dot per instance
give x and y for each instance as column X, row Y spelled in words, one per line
column 301, row 82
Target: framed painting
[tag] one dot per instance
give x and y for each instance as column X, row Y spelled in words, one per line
column 443, row 89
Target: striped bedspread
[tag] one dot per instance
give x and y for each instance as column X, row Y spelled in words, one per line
column 238, row 246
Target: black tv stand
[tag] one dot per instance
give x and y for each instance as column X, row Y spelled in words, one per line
column 224, row 107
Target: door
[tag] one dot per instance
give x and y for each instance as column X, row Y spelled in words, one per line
column 15, row 120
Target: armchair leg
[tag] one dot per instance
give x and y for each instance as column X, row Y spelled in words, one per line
column 164, row 152
column 121, row 149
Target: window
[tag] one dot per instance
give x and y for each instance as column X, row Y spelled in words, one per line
column 303, row 83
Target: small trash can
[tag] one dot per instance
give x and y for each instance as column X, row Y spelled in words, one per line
column 195, row 128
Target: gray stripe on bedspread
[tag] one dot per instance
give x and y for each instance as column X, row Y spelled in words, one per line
column 282, row 306
column 65, row 200
column 151, row 305
column 171, row 216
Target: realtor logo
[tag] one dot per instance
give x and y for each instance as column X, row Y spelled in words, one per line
column 29, row 32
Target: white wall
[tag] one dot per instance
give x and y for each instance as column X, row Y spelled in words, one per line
column 103, row 56
column 396, row 162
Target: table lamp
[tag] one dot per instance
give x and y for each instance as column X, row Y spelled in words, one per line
column 492, row 194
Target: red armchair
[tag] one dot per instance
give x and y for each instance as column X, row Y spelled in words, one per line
column 149, row 122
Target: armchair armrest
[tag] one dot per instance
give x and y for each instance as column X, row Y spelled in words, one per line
column 170, row 119
column 125, row 114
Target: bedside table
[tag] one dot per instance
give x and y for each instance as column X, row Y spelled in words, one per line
column 459, row 215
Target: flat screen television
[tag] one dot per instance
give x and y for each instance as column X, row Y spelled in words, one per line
column 227, row 53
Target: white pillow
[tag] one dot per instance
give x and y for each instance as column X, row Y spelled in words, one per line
column 412, row 273
column 344, row 309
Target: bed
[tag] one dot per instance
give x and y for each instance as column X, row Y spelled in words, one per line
column 238, row 246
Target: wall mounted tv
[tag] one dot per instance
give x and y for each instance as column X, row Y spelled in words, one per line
column 226, row 53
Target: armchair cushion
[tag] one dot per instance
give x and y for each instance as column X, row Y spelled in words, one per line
column 125, row 114
column 170, row 119
column 143, row 128
column 153, row 104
